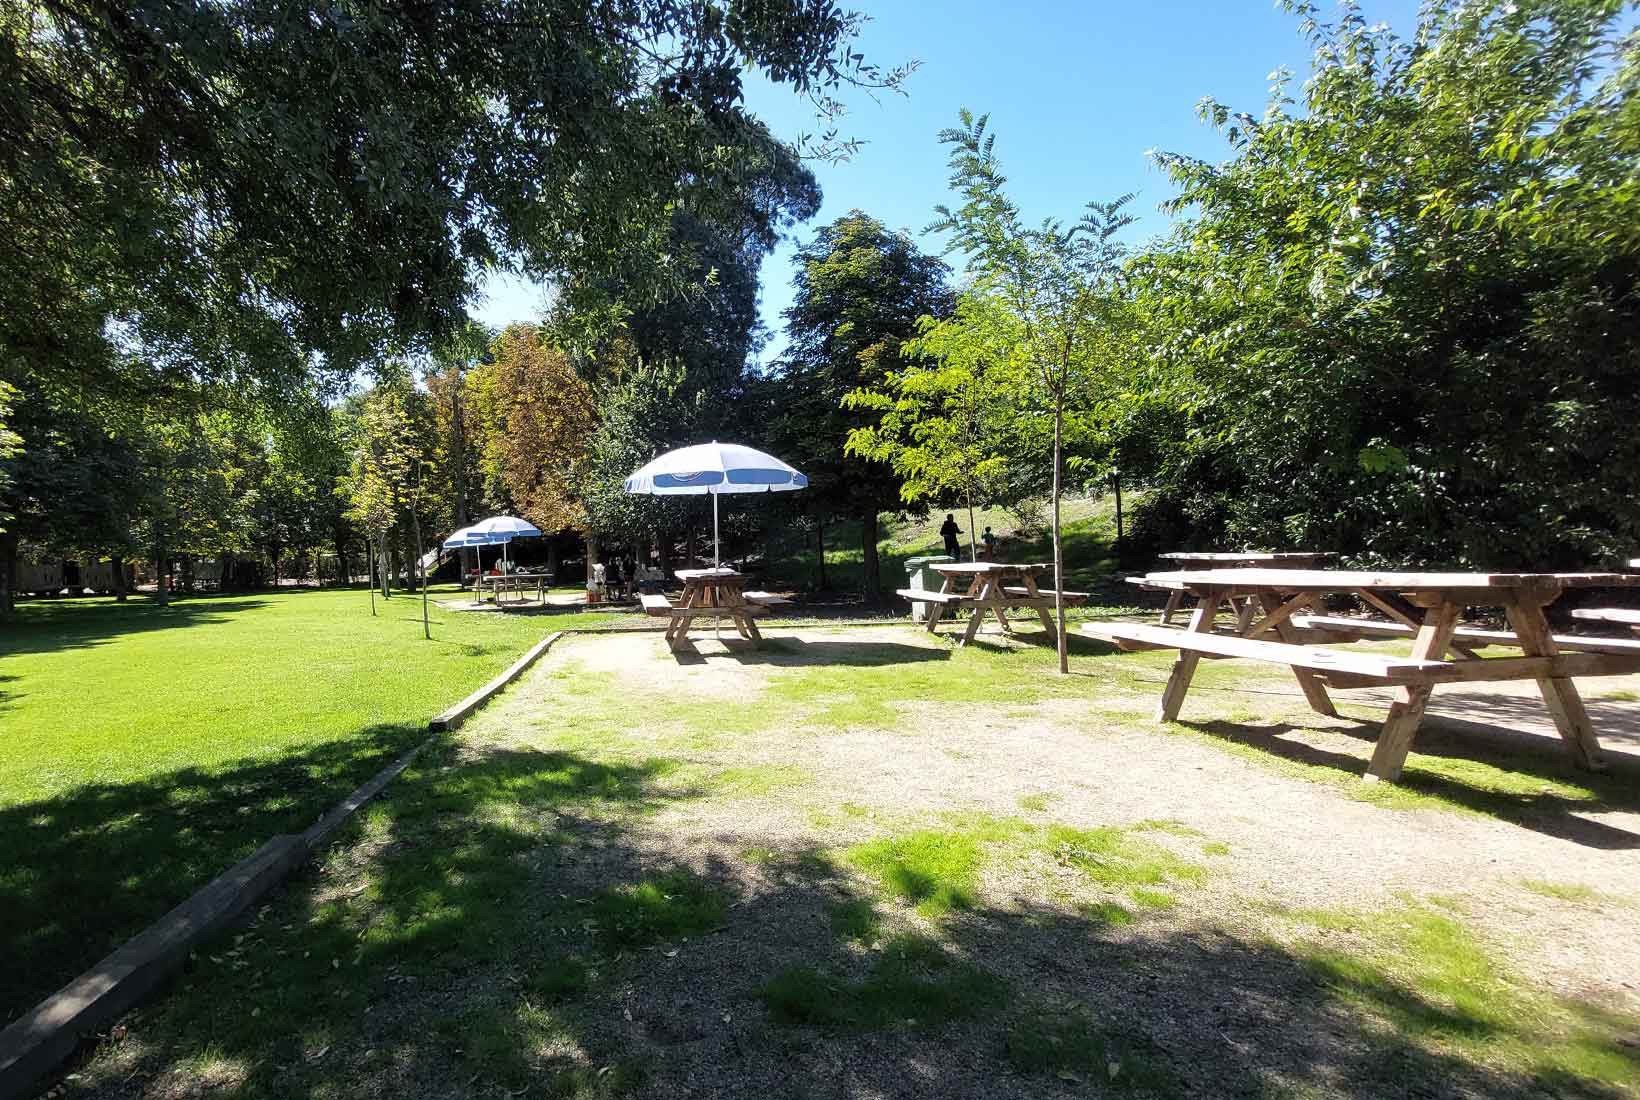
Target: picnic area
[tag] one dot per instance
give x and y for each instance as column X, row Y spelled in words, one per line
column 758, row 549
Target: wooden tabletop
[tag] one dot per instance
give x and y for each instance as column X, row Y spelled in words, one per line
column 971, row 568
column 721, row 573
column 1249, row 557
column 1340, row 580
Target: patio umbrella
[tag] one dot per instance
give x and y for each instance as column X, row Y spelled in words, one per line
column 466, row 537
column 502, row 529
column 713, row 469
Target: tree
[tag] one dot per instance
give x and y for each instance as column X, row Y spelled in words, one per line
column 353, row 167
column 1398, row 320
column 538, row 415
column 387, row 445
column 861, row 292
column 942, row 422
column 1054, row 288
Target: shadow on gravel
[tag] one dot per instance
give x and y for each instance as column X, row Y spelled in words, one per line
column 510, row 923
column 1451, row 761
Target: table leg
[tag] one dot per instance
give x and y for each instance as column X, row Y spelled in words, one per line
column 1560, row 694
column 1184, row 666
column 1175, row 600
column 1042, row 612
column 1395, row 739
column 1244, row 614
column 936, row 611
column 978, row 612
column 1315, row 693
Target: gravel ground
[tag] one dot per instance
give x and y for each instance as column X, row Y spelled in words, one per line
column 1210, row 987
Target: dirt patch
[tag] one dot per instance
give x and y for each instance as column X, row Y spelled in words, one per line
column 1125, row 909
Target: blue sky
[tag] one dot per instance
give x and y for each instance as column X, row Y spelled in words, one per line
column 1077, row 92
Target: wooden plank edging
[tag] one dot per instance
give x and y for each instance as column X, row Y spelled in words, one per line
column 463, row 710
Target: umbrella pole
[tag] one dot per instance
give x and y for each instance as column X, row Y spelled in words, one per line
column 717, row 560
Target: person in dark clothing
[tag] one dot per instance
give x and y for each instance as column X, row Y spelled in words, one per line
column 949, row 531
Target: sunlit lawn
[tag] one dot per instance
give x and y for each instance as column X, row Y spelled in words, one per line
column 145, row 749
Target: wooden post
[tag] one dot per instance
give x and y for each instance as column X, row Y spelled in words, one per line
column 1315, row 693
column 1116, row 484
column 1395, row 739
column 1560, row 694
column 1184, row 666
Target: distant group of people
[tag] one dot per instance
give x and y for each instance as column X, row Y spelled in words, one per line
column 950, row 532
column 622, row 577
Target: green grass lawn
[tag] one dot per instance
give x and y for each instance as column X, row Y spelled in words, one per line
column 145, row 749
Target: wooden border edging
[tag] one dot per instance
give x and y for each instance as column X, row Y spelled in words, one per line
column 463, row 710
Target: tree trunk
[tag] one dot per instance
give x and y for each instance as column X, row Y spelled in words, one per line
column 689, row 548
column 8, row 574
column 187, row 574
column 162, row 576
column 973, row 546
column 552, row 558
column 458, row 456
column 871, row 574
column 117, row 565
column 383, row 565
column 592, row 555
column 820, row 538
column 1058, row 548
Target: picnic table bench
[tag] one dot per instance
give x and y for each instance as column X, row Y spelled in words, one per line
column 1424, row 607
column 715, row 594
column 981, row 586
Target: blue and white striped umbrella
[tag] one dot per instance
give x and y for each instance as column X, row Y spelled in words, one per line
column 713, row 469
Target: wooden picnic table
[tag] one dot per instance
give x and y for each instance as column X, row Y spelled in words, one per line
column 982, row 586
column 1226, row 559
column 1424, row 607
column 510, row 582
column 715, row 594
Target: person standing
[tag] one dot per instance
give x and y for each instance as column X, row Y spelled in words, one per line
column 949, row 531
column 989, row 541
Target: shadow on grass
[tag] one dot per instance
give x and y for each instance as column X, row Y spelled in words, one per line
column 506, row 923
column 1447, row 771
column 83, row 871
column 43, row 626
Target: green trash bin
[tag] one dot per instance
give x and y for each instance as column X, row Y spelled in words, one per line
column 918, row 575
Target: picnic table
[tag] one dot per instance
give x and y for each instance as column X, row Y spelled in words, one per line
column 1423, row 607
column 982, row 586
column 715, row 594
column 502, row 583
column 1224, row 559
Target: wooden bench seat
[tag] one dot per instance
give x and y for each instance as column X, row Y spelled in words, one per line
column 767, row 599
column 663, row 608
column 1344, row 628
column 1628, row 616
column 1377, row 667
column 656, row 605
column 922, row 595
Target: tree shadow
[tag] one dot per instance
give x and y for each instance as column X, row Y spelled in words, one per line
column 788, row 652
column 1542, row 810
column 82, row 871
column 507, row 922
column 47, row 627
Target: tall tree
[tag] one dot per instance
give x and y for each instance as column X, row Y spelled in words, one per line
column 1054, row 286
column 351, row 168
column 861, row 291
column 1399, row 320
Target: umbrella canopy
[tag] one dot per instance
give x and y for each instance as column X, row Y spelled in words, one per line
column 504, row 528
column 714, row 469
column 467, row 537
